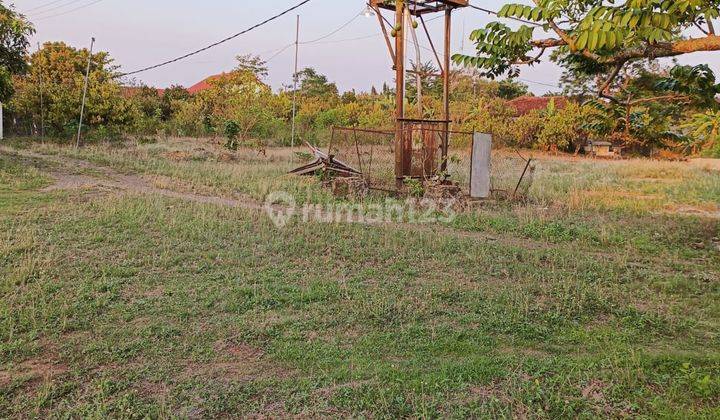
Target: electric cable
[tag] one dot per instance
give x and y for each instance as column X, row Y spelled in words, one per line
column 42, row 6
column 60, row 6
column 343, row 26
column 222, row 41
column 69, row 11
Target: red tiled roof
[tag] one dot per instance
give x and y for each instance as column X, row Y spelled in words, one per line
column 204, row 84
column 526, row 104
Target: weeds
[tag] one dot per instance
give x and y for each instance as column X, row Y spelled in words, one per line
column 142, row 306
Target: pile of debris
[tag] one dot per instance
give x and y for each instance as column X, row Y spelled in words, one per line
column 326, row 164
column 348, row 187
column 442, row 191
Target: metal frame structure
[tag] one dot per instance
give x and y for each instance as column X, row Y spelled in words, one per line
column 417, row 8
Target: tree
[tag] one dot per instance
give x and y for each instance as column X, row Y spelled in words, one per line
column 148, row 101
column 314, row 84
column 650, row 101
column 171, row 98
column 62, row 70
column 148, row 104
column 430, row 80
column 510, row 89
column 704, row 131
column 238, row 103
column 593, row 36
column 563, row 129
column 15, row 32
column 253, row 64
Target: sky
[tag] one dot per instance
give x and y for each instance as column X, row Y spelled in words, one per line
column 139, row 33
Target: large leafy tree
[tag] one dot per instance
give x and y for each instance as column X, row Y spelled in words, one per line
column 240, row 104
column 15, row 32
column 315, row 85
column 59, row 70
column 704, row 132
column 431, row 83
column 650, row 102
column 171, row 99
column 593, row 36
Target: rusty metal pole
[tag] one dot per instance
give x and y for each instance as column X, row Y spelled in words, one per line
column 381, row 20
column 399, row 93
column 446, row 89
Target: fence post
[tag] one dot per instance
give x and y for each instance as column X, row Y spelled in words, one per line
column 480, row 167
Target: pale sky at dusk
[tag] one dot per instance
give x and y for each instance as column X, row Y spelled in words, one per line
column 138, row 33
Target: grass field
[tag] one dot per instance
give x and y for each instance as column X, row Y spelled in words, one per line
column 127, row 292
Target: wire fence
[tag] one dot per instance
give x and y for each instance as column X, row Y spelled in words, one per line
column 372, row 153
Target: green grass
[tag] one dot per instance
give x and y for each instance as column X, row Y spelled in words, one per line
column 634, row 187
column 141, row 306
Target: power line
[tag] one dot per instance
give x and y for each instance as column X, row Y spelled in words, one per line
column 277, row 51
column 339, row 41
column 274, row 50
column 343, row 26
column 266, row 21
column 42, row 6
column 539, row 83
column 317, row 41
column 282, row 50
column 60, row 6
column 70, row 11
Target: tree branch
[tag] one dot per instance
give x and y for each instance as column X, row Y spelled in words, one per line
column 701, row 28
column 711, row 27
column 674, row 96
column 548, row 43
column 567, row 38
column 667, row 49
column 531, row 60
column 604, row 89
column 659, row 50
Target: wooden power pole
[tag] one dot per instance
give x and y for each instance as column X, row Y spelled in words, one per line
column 446, row 90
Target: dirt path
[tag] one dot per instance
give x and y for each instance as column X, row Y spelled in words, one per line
column 115, row 180
column 139, row 185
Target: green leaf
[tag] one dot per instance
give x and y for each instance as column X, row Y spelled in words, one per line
column 626, row 19
column 593, row 41
column 582, row 41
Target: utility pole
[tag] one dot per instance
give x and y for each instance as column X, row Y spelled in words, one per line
column 2, row 134
column 82, row 107
column 446, row 89
column 295, row 83
column 42, row 102
column 400, row 155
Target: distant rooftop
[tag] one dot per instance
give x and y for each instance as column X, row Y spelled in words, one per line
column 526, row 104
column 204, row 84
